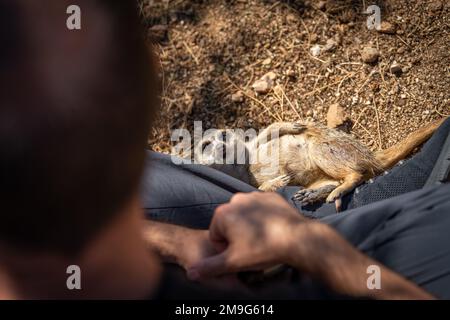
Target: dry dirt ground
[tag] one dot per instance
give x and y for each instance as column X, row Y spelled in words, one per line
column 212, row 52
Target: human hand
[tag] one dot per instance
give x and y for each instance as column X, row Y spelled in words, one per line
column 252, row 232
column 177, row 244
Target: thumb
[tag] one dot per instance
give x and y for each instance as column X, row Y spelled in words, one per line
column 209, row 267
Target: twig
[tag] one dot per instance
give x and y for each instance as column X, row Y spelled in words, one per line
column 400, row 38
column 380, row 143
column 359, row 117
column 283, row 93
column 439, row 113
column 320, row 89
column 347, row 76
column 307, row 31
column 367, row 80
column 191, row 53
column 367, row 131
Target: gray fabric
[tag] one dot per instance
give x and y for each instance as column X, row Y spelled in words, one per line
column 185, row 194
column 409, row 234
column 408, row 231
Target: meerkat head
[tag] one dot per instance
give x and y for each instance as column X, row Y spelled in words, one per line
column 220, row 147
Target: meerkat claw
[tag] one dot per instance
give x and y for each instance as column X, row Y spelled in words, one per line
column 309, row 196
column 338, row 204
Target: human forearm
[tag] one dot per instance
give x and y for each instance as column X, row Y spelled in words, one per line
column 177, row 244
column 164, row 239
column 330, row 258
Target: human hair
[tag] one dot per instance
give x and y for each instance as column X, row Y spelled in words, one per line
column 75, row 112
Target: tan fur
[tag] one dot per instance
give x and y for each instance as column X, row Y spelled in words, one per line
column 327, row 163
column 389, row 157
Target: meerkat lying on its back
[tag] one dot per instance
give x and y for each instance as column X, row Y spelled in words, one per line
column 326, row 163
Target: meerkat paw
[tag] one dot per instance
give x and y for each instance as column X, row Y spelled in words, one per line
column 349, row 183
column 336, row 197
column 276, row 183
column 310, row 196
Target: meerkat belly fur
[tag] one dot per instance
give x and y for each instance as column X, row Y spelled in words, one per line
column 325, row 162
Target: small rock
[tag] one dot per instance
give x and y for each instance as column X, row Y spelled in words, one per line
column 291, row 18
column 330, row 45
column 315, row 50
column 267, row 61
column 290, row 73
column 401, row 50
column 337, row 118
column 265, row 83
column 396, row 69
column 237, row 97
column 435, row 5
column 370, row 55
column 270, row 75
column 387, row 27
column 405, row 69
column 261, row 86
column 320, row 5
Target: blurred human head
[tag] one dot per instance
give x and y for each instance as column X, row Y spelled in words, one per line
column 75, row 111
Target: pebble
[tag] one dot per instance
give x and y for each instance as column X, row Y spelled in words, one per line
column 265, row 83
column 315, row 50
column 267, row 61
column 330, row 45
column 237, row 97
column 336, row 116
column 370, row 55
column 396, row 69
column 320, row 5
column 435, row 6
column 290, row 73
column 387, row 27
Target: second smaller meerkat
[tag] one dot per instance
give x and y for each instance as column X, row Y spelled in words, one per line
column 325, row 162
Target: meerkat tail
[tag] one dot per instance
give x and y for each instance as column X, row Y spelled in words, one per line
column 389, row 157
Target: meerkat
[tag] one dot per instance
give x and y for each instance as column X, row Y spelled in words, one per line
column 325, row 163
